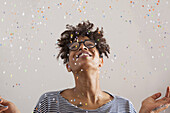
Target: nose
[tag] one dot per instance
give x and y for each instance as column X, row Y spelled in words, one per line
column 82, row 46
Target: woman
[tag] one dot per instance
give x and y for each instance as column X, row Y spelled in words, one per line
column 81, row 49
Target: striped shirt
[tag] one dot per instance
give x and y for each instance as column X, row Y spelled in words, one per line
column 53, row 102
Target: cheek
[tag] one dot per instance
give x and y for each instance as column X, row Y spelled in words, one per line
column 96, row 53
column 71, row 58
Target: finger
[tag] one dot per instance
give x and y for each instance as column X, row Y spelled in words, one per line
column 163, row 101
column 166, row 99
column 0, row 101
column 4, row 102
column 160, row 108
column 3, row 108
column 156, row 95
column 168, row 92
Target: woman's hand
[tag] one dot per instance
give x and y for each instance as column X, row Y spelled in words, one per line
column 11, row 108
column 151, row 105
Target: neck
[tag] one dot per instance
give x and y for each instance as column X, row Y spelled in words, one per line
column 88, row 86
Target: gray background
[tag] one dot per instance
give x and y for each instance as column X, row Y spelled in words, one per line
column 138, row 66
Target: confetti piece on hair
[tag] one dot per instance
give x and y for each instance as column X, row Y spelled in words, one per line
column 71, row 35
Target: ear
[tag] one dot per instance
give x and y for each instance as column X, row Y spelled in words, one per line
column 101, row 62
column 68, row 67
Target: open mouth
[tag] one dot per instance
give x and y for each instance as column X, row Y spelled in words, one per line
column 83, row 55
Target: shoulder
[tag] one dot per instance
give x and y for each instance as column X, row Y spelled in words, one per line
column 45, row 101
column 49, row 94
column 124, row 104
column 121, row 99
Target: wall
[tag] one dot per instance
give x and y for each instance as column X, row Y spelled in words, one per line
column 137, row 32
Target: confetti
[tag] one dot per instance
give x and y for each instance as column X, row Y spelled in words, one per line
column 29, row 56
column 41, row 42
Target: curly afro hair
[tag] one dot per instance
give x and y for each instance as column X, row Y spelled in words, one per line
column 82, row 29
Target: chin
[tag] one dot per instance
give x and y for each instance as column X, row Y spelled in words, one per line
column 85, row 65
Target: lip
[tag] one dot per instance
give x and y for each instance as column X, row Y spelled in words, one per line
column 83, row 55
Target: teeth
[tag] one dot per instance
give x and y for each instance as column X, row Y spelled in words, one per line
column 83, row 54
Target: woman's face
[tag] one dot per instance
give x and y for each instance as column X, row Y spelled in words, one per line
column 76, row 64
